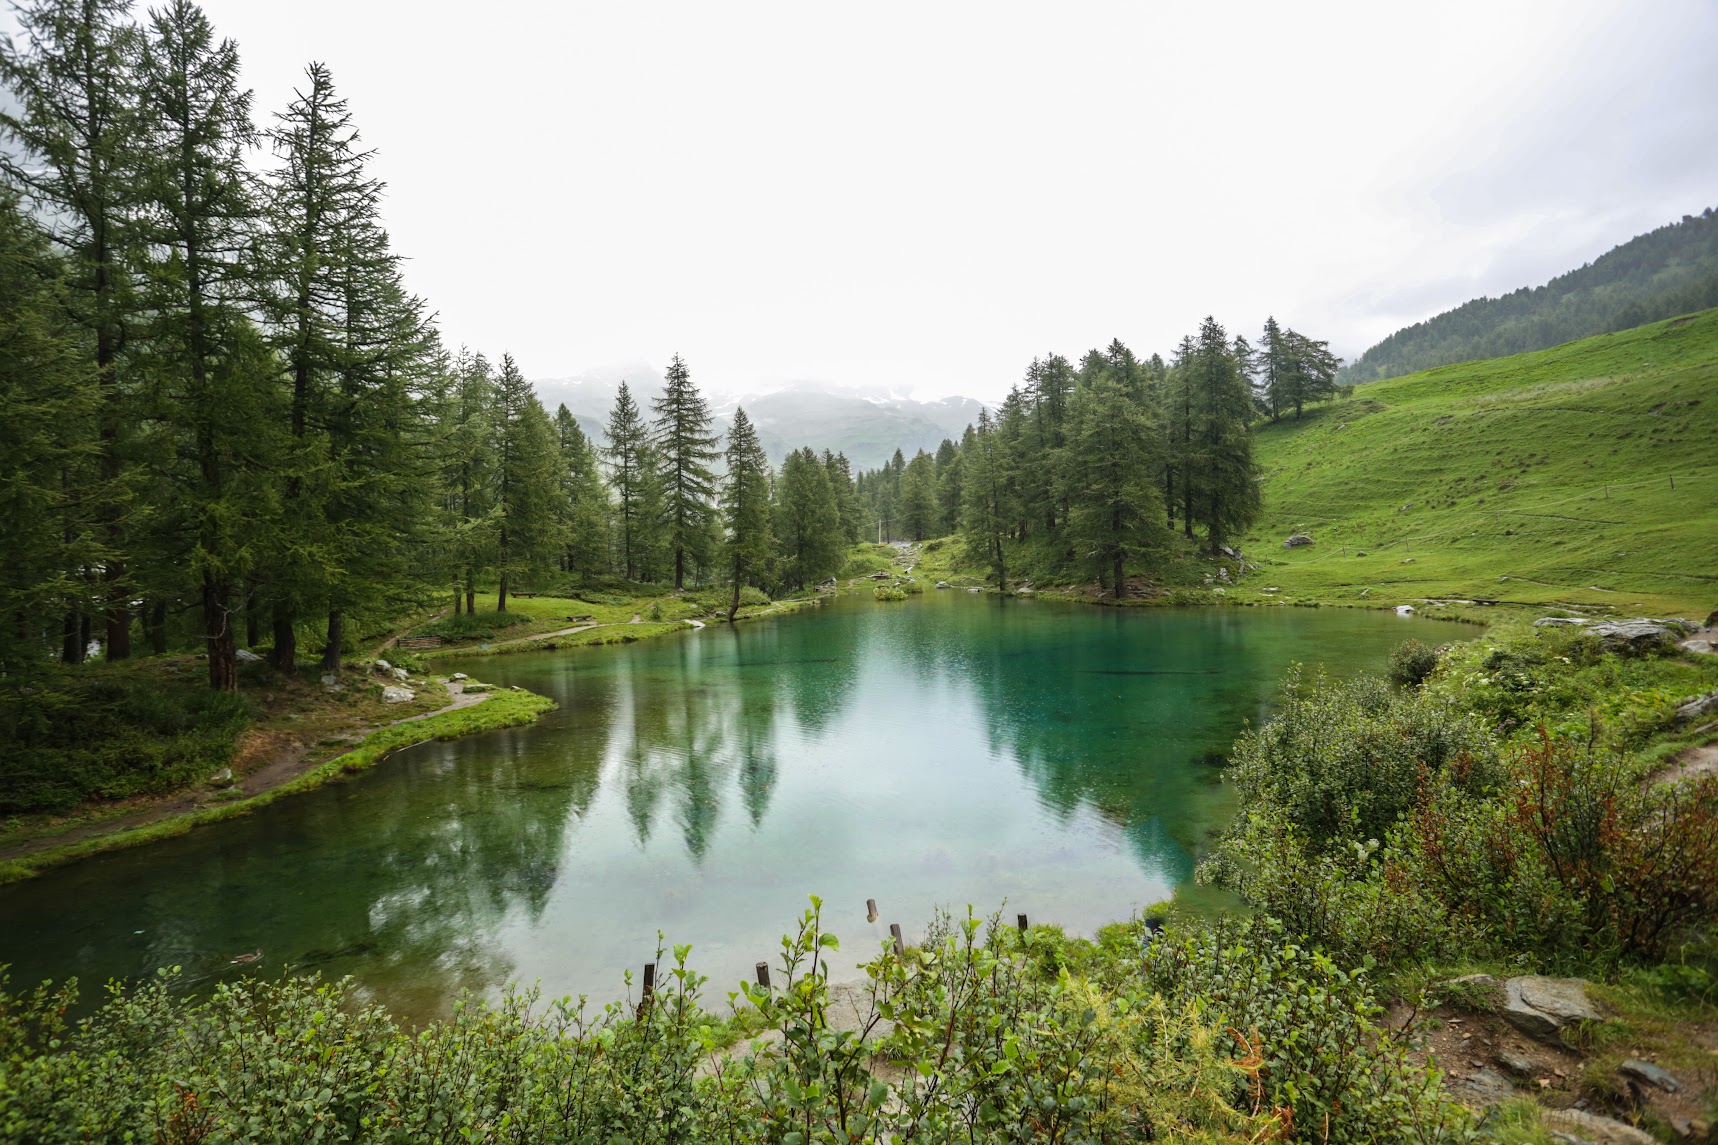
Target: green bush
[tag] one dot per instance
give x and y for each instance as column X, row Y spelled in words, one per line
column 1343, row 761
column 962, row 1037
column 1411, row 663
column 110, row 732
column 888, row 592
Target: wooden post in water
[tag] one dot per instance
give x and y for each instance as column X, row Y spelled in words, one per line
column 895, row 933
column 764, row 975
column 1020, row 920
column 870, row 910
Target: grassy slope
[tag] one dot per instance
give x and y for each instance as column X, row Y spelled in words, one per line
column 1499, row 469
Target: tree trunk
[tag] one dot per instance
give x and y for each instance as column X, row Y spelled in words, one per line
column 218, row 635
column 470, row 593
column 71, row 651
column 155, row 626
column 679, row 569
column 1116, row 574
column 284, row 656
column 84, row 636
column 501, row 593
column 336, row 640
column 1187, row 504
column 252, row 633
column 734, row 607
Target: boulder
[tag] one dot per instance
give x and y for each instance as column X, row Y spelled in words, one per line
column 1297, row 541
column 1541, row 1007
column 944, row 584
column 1404, row 610
column 1635, row 636
column 1233, row 554
column 1561, row 622
column 224, row 778
column 330, row 679
column 1223, row 573
column 1483, row 1087
column 1697, row 708
column 1407, row 560
column 398, row 673
column 1703, row 645
column 394, row 695
column 1575, row 1125
column 1518, row 1064
column 1649, row 1073
column 384, row 666
column 459, row 676
column 246, row 656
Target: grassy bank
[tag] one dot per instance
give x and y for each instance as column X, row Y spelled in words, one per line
column 1581, row 476
column 498, row 710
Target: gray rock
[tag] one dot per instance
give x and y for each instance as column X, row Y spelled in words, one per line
column 1541, row 1007
column 224, row 777
column 1485, row 1087
column 1576, row 1125
column 1407, row 560
column 398, row 673
column 1649, row 1073
column 384, row 666
column 1297, row 541
column 459, row 676
column 1519, row 1064
column 246, row 656
column 1235, row 554
column 1561, row 622
column 944, row 584
column 1635, row 635
column 1700, row 645
column 1696, row 708
column 330, row 679
column 1478, row 983
column 1404, row 610
column 393, row 695
column 1223, row 573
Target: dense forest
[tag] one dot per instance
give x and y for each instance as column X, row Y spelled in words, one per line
column 1670, row 271
column 231, row 424
column 1086, row 469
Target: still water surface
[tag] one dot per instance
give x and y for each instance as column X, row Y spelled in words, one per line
column 954, row 749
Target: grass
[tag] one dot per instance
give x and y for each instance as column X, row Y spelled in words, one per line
column 503, row 709
column 529, row 621
column 1542, row 479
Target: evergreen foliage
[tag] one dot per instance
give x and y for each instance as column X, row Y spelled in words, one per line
column 749, row 545
column 1667, row 272
column 684, row 449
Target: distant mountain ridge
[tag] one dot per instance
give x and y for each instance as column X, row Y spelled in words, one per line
column 867, row 425
column 1664, row 273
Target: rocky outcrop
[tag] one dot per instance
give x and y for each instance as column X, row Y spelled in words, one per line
column 1561, row 622
column 1698, row 708
column 1297, row 541
column 395, row 695
column 1542, row 1007
column 1574, row 1126
column 1636, row 636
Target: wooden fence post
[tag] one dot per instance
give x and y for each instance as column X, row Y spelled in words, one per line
column 764, row 975
column 895, row 932
column 870, row 910
column 1020, row 920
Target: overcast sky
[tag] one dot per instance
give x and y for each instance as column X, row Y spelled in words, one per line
column 926, row 195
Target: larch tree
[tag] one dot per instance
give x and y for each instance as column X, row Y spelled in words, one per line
column 1107, row 474
column 215, row 380
column 807, row 521
column 1224, row 485
column 748, row 547
column 74, row 127
column 632, row 478
column 684, row 448
column 528, row 489
column 987, row 509
column 583, row 500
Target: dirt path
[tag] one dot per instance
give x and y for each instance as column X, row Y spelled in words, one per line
column 548, row 635
column 285, row 763
column 1691, row 764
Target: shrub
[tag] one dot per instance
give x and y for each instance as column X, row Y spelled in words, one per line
column 888, row 592
column 1342, row 762
column 1411, row 663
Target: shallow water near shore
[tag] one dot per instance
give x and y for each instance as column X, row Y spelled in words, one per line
column 953, row 749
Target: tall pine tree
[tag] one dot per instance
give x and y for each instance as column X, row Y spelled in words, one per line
column 684, row 449
column 749, row 546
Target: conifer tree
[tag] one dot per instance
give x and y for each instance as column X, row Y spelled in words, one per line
column 987, row 513
column 918, row 497
column 807, row 521
column 49, row 452
column 528, row 488
column 684, row 448
column 1222, row 485
column 467, row 473
column 846, row 496
column 220, row 406
column 630, row 476
column 1107, row 473
column 749, row 546
column 948, row 487
column 74, row 128
column 585, row 527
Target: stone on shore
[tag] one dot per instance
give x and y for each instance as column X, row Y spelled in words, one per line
column 395, row 695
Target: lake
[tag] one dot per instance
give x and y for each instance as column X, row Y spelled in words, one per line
column 957, row 748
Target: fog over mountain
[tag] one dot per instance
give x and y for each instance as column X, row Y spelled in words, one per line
column 867, row 423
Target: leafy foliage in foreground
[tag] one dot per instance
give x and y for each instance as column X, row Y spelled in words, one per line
column 978, row 1035
column 1492, row 813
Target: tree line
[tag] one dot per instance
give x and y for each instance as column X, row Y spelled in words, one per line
column 1669, row 271
column 225, row 409
column 1087, row 468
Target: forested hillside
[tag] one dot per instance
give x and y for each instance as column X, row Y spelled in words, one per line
column 1670, row 271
